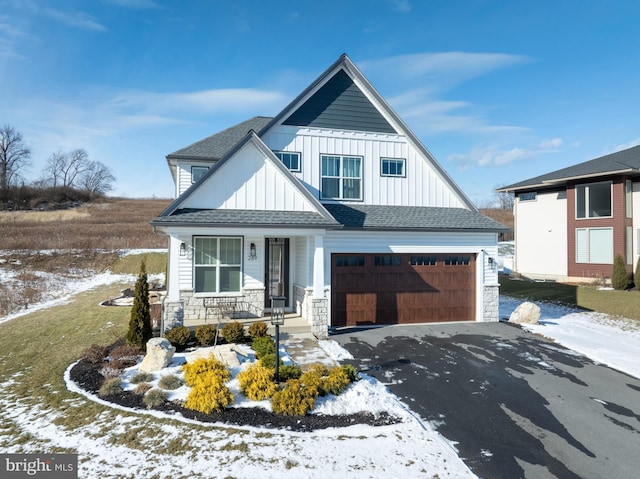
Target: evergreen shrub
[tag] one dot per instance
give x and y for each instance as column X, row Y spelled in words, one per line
column 233, row 332
column 289, row 371
column 263, row 345
column 352, row 372
column 295, row 399
column 194, row 371
column 258, row 330
column 140, row 323
column 209, row 394
column 206, row 334
column 178, row 336
column 269, row 361
column 257, row 382
column 619, row 274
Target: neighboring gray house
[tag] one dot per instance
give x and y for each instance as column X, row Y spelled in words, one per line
column 334, row 204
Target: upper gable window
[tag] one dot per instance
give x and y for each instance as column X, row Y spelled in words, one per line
column 197, row 172
column 392, row 167
column 530, row 196
column 290, row 159
column 593, row 200
column 341, row 177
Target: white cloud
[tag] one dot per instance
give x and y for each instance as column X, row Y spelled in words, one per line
column 552, row 144
column 627, row 145
column 76, row 19
column 493, row 155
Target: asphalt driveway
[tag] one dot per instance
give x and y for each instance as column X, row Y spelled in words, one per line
column 514, row 404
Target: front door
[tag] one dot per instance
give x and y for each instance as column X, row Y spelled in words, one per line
column 277, row 269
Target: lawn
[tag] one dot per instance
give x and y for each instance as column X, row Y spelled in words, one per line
column 615, row 303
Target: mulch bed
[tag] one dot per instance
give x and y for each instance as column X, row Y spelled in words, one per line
column 87, row 376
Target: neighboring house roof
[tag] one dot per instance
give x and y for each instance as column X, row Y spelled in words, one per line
column 622, row 162
column 218, row 145
column 375, row 217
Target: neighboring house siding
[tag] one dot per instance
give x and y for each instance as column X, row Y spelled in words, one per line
column 636, row 224
column 420, row 186
column 618, row 223
column 541, row 235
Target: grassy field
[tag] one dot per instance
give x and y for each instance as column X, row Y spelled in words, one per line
column 615, row 303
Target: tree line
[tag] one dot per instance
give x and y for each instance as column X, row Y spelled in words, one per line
column 67, row 176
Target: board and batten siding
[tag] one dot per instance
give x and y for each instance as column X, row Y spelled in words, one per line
column 421, row 185
column 184, row 175
column 541, row 235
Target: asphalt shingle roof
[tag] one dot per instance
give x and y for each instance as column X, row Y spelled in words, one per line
column 255, row 218
column 624, row 160
column 218, row 145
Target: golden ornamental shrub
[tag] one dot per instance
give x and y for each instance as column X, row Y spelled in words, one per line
column 257, row 382
column 295, row 399
column 194, row 371
column 209, row 394
column 335, row 382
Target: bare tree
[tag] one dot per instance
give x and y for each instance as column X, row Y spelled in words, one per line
column 505, row 200
column 97, row 179
column 14, row 157
column 64, row 169
column 53, row 168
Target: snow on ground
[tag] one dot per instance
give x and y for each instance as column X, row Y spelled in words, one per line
column 614, row 342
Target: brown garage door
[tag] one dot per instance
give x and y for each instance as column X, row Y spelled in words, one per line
column 402, row 288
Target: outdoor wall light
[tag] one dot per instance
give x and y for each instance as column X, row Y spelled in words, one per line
column 183, row 249
column 252, row 251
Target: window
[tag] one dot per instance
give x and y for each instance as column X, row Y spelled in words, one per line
column 593, row 200
column 387, row 261
column 594, row 245
column 531, row 196
column 392, row 167
column 217, row 264
column 423, row 260
column 197, row 172
column 290, row 159
column 628, row 196
column 350, row 261
column 457, row 260
column 341, row 177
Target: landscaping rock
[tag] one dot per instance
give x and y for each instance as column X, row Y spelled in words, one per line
column 159, row 355
column 526, row 313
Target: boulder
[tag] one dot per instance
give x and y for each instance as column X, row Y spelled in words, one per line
column 526, row 313
column 159, row 355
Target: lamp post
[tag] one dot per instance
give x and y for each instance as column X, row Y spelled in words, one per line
column 277, row 319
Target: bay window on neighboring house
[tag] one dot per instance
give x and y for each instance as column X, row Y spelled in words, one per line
column 217, row 264
column 341, row 177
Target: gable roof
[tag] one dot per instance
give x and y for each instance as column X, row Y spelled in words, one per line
column 347, row 67
column 621, row 162
column 219, row 144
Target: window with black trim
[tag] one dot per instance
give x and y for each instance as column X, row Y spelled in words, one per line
column 350, row 261
column 290, row 159
column 392, row 167
column 387, row 261
column 530, row 196
column 457, row 260
column 198, row 172
column 593, row 200
column 423, row 260
column 341, row 177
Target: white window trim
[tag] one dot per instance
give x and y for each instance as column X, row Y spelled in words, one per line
column 403, row 161
column 217, row 266
column 341, row 178
column 586, row 200
column 205, row 168
column 588, row 246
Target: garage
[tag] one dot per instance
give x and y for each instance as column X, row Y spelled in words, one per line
column 376, row 289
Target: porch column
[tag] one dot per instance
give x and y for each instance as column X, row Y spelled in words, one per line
column 318, row 267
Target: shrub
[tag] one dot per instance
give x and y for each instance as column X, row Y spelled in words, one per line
column 195, row 371
column 178, row 336
column 142, row 377
column 170, row 381
column 269, row 361
column 263, row 345
column 258, row 330
column 352, row 372
column 206, row 334
column 110, row 387
column 123, row 356
column 233, row 332
column 95, row 354
column 295, row 399
column 335, row 382
column 290, row 371
column 619, row 274
column 140, row 323
column 209, row 394
column 256, row 382
column 142, row 388
column 154, row 398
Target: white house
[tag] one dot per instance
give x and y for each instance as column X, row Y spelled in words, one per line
column 571, row 223
column 333, row 204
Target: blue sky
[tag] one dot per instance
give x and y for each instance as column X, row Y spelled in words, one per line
column 498, row 91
